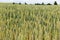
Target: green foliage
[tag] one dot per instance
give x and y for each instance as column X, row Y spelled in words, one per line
column 49, row 4
column 20, row 3
column 37, row 4
column 42, row 3
column 55, row 3
column 13, row 2
column 25, row 3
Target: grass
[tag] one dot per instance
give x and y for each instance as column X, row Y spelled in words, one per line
column 29, row 22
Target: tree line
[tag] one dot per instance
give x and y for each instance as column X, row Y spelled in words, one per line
column 55, row 3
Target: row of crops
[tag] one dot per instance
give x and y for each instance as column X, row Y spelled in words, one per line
column 29, row 22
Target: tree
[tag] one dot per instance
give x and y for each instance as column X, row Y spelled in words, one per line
column 37, row 4
column 13, row 2
column 55, row 3
column 42, row 3
column 25, row 3
column 49, row 4
column 20, row 3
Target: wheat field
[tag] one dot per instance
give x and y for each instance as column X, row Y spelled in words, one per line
column 29, row 22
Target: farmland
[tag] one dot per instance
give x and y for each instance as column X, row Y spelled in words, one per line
column 29, row 22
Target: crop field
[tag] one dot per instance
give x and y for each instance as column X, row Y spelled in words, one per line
column 29, row 22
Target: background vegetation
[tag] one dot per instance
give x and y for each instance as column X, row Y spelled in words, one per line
column 55, row 3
